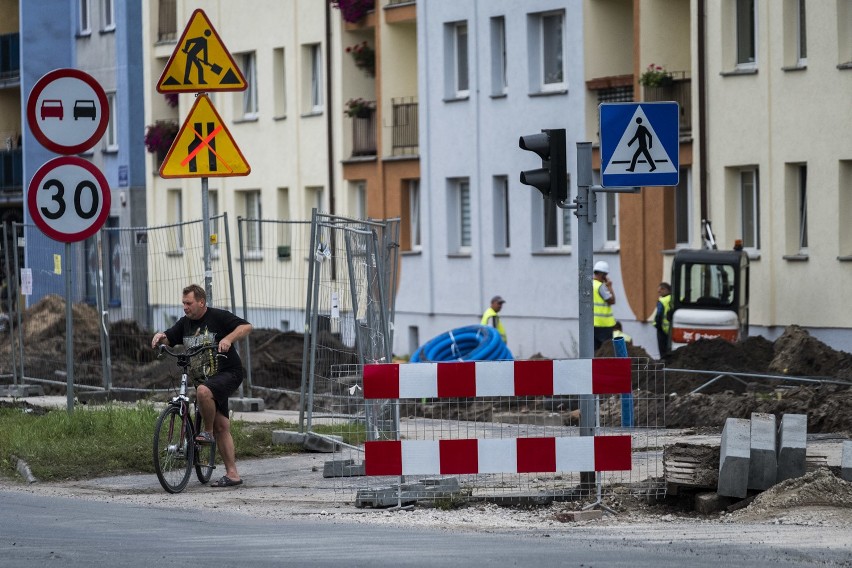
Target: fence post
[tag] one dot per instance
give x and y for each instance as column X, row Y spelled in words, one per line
column 10, row 287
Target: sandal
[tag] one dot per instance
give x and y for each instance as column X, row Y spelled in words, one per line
column 205, row 439
column 226, row 481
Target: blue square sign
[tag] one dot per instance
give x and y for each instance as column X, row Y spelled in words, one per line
column 639, row 144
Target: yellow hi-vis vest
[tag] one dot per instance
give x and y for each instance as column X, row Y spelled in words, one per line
column 666, row 301
column 603, row 311
column 490, row 317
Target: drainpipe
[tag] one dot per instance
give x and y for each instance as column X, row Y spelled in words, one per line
column 328, row 109
column 702, row 108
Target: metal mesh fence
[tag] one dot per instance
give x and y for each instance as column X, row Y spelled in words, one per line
column 352, row 280
column 125, row 283
column 353, row 420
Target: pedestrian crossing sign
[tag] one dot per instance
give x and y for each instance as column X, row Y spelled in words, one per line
column 639, row 144
column 203, row 147
column 200, row 62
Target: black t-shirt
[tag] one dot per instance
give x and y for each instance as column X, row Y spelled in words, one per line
column 209, row 330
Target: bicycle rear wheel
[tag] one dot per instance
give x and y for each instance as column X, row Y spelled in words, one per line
column 205, row 455
column 173, row 450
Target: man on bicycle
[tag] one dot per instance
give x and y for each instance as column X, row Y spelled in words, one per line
column 219, row 376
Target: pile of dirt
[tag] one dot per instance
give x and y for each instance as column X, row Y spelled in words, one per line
column 819, row 488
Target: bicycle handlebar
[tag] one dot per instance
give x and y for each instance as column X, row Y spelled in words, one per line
column 189, row 353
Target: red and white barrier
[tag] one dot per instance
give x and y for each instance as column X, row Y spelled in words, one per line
column 497, row 455
column 539, row 377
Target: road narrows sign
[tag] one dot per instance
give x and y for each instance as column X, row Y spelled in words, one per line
column 204, row 147
column 200, row 62
column 69, row 199
column 67, row 111
column 639, row 144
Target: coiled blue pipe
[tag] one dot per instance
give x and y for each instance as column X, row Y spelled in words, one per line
column 469, row 343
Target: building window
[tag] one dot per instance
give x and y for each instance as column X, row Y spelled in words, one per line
column 610, row 203
column 844, row 32
column 803, row 207
column 313, row 200
column 175, row 219
column 316, row 77
column 556, row 225
column 802, row 35
column 111, row 137
column 358, row 197
column 279, row 80
column 681, row 209
column 85, row 17
column 750, row 208
column 459, row 58
column 553, row 74
column 746, row 25
column 107, row 15
column 499, row 80
column 844, row 209
column 501, row 215
column 458, row 216
column 413, row 225
column 249, row 96
column 252, row 214
column 115, row 268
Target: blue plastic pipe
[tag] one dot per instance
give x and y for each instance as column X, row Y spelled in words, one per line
column 620, row 348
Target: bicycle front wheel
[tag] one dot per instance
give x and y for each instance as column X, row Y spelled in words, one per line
column 205, row 455
column 173, row 450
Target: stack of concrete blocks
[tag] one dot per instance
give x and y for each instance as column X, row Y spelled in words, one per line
column 755, row 456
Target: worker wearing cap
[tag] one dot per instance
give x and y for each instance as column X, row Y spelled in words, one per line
column 602, row 299
column 491, row 318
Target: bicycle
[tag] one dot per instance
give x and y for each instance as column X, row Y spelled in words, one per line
column 175, row 448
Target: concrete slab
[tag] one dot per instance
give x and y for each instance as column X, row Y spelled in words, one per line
column 763, row 457
column 246, row 404
column 846, row 461
column 792, row 446
column 408, row 493
column 708, row 503
column 308, row 440
column 342, row 468
column 20, row 391
column 575, row 516
column 734, row 458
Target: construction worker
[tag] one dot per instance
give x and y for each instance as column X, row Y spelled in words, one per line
column 618, row 332
column 602, row 300
column 663, row 318
column 491, row 318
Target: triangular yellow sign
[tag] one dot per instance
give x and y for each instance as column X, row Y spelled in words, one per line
column 204, row 147
column 200, row 62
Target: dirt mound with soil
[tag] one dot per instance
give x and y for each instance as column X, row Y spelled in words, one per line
column 817, row 489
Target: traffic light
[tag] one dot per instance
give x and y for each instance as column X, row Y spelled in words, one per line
column 552, row 178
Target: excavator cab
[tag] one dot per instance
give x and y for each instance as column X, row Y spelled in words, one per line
column 710, row 290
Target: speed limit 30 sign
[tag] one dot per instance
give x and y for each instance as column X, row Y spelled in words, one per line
column 68, row 199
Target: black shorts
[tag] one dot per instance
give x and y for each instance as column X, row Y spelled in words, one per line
column 223, row 385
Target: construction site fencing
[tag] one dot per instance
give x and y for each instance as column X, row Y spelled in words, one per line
column 353, row 421
column 125, row 284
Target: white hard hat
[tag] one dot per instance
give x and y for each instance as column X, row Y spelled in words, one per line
column 601, row 266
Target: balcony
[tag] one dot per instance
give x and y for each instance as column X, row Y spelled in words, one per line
column 679, row 91
column 11, row 170
column 10, row 60
column 167, row 28
column 364, row 134
column 404, row 138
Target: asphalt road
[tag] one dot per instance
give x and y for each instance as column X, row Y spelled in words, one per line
column 36, row 530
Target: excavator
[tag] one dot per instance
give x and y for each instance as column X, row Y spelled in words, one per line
column 710, row 289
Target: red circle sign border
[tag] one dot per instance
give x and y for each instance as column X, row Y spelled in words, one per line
column 32, row 200
column 32, row 103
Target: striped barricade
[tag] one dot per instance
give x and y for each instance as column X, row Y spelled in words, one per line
column 500, row 455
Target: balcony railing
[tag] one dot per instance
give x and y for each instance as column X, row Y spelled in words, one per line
column 10, row 57
column 404, row 140
column 11, row 169
column 393, row 2
column 680, row 91
column 364, row 134
column 167, row 29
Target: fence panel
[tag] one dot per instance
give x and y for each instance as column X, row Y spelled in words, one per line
column 442, row 439
column 126, row 283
